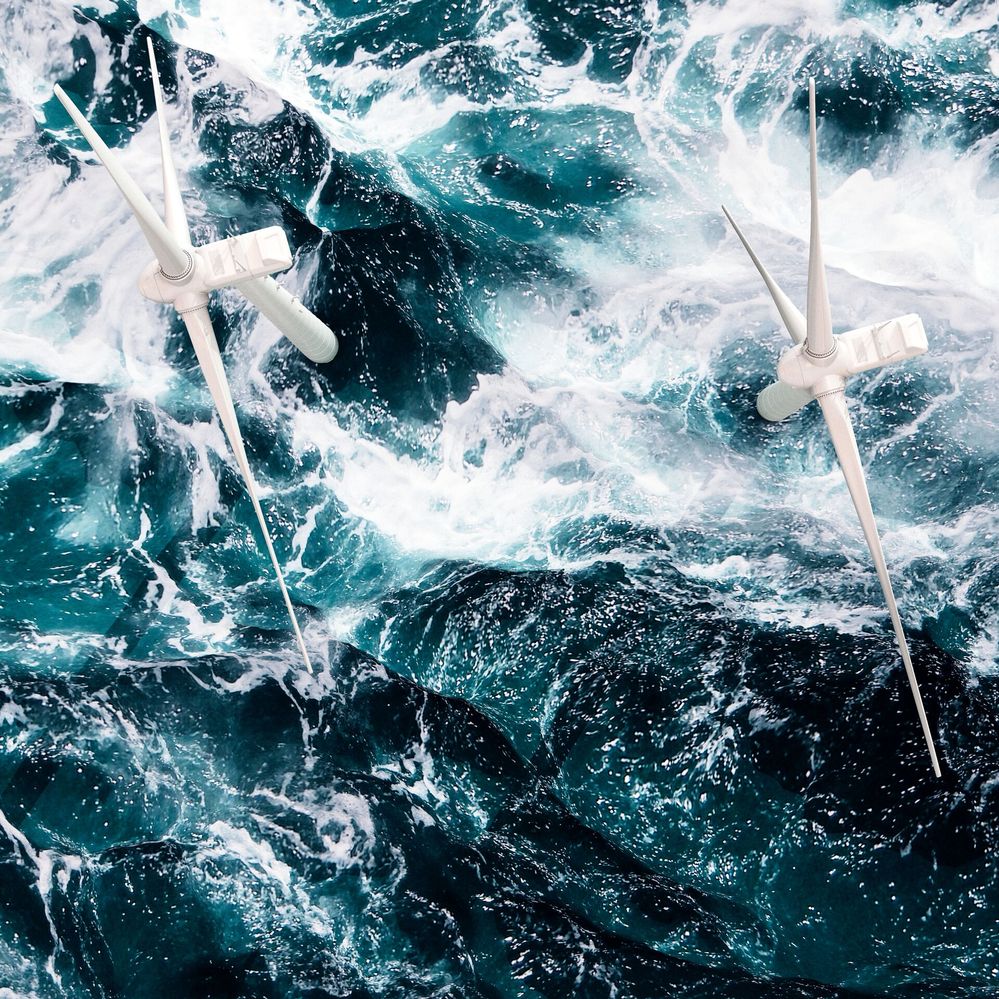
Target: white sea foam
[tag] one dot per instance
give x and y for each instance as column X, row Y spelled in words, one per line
column 342, row 821
column 571, row 428
column 257, row 855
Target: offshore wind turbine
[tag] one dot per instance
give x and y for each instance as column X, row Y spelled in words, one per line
column 182, row 275
column 817, row 367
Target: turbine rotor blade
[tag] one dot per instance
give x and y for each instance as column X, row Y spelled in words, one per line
column 173, row 205
column 840, row 426
column 199, row 326
column 790, row 315
column 174, row 259
column 819, row 341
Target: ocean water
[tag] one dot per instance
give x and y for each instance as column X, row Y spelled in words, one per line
column 606, row 702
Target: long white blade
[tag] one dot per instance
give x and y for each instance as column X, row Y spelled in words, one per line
column 173, row 205
column 791, row 316
column 817, row 312
column 305, row 330
column 841, row 430
column 169, row 252
column 199, row 326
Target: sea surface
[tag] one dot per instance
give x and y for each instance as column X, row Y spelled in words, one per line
column 606, row 701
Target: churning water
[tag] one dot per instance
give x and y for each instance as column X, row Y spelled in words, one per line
column 608, row 703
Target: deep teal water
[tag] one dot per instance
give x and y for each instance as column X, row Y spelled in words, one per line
column 608, row 704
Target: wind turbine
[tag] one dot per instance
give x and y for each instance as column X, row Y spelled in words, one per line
column 817, row 367
column 182, row 275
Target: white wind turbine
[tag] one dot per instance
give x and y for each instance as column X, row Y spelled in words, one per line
column 817, row 367
column 182, row 275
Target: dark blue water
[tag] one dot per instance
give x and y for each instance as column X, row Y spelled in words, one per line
column 607, row 701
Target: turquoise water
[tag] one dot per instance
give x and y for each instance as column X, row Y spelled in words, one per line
column 607, row 703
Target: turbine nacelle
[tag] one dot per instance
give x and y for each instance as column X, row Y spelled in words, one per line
column 859, row 350
column 222, row 264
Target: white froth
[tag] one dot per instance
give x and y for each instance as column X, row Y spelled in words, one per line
column 572, row 428
column 257, row 855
